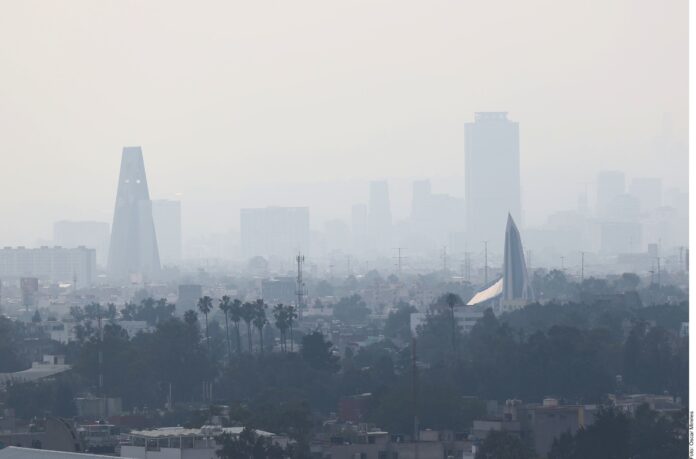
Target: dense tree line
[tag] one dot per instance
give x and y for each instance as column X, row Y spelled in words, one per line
column 574, row 351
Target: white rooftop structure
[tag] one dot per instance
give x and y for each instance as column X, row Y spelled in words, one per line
column 15, row 452
column 513, row 289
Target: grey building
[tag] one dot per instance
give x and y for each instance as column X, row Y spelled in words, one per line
column 49, row 264
column 133, row 252
column 379, row 218
column 279, row 232
column 610, row 185
column 492, row 176
column 167, row 217
column 90, row 234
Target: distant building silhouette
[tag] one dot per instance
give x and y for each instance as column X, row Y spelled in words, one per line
column 50, row 264
column 492, row 176
column 610, row 185
column 648, row 190
column 167, row 217
column 379, row 219
column 90, row 234
column 133, row 252
column 274, row 231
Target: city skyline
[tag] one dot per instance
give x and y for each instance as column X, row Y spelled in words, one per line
column 341, row 109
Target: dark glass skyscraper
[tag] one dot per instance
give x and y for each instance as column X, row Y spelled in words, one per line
column 133, row 253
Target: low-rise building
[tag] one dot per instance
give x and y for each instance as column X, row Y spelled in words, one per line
column 182, row 443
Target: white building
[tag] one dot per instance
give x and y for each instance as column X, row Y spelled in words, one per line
column 182, row 443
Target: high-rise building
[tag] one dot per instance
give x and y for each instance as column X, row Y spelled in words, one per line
column 133, row 253
column 90, row 234
column 648, row 190
column 167, row 217
column 610, row 185
column 379, row 218
column 274, row 231
column 492, row 177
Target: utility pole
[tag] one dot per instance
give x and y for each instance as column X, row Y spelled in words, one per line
column 300, row 284
column 414, row 386
column 399, row 258
column 485, row 262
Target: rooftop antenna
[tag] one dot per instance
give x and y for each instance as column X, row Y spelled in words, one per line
column 399, row 258
column 414, row 387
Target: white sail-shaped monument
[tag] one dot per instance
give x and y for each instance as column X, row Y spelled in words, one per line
column 513, row 289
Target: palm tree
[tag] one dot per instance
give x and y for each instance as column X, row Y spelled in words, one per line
column 292, row 315
column 248, row 312
column 205, row 305
column 280, row 314
column 452, row 299
column 236, row 317
column 225, row 306
column 260, row 320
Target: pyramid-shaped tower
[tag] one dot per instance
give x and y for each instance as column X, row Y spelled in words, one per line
column 133, row 253
column 516, row 286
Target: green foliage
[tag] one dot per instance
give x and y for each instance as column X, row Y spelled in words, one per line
column 398, row 325
column 351, row 309
column 11, row 335
column 318, row 352
column 615, row 435
column 504, row 445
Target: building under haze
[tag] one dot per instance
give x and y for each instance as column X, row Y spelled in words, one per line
column 167, row 217
column 279, row 232
column 379, row 218
column 49, row 264
column 492, row 176
column 513, row 289
column 90, row 234
column 133, row 252
column 610, row 185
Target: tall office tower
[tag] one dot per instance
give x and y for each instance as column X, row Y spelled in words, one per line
column 133, row 253
column 279, row 232
column 421, row 195
column 610, row 185
column 379, row 219
column 93, row 235
column 492, row 177
column 648, row 190
column 167, row 217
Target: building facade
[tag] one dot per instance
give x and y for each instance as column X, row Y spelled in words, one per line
column 492, row 176
column 279, row 232
column 133, row 252
column 49, row 264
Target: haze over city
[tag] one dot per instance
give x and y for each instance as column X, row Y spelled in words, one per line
column 255, row 104
column 373, row 229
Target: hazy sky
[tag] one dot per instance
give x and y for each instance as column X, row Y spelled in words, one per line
column 233, row 96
